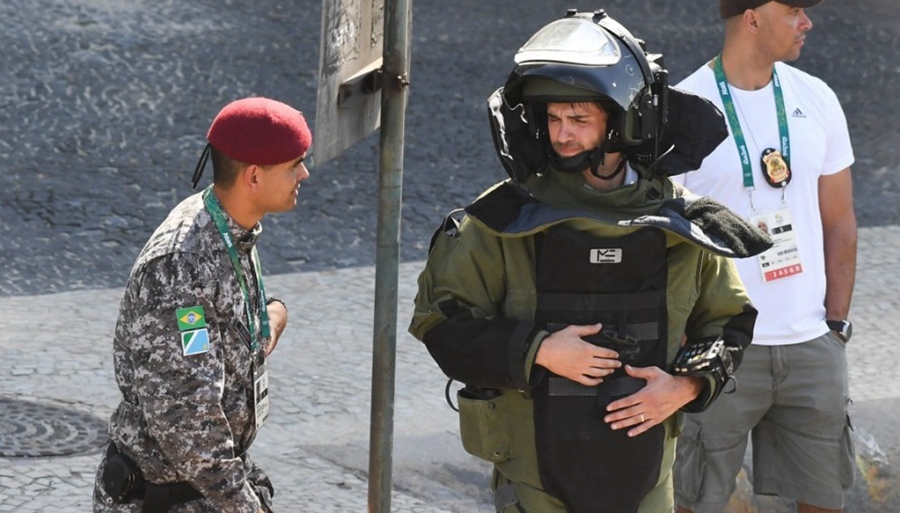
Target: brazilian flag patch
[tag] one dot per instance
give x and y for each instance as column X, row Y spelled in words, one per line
column 190, row 318
column 195, row 341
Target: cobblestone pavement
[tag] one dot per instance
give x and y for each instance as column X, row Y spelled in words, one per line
column 56, row 351
column 104, row 103
column 103, row 107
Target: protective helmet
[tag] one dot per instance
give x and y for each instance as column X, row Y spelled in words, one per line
column 585, row 56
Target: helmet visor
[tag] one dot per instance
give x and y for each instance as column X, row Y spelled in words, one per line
column 572, row 41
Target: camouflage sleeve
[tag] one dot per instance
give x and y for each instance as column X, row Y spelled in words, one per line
column 181, row 395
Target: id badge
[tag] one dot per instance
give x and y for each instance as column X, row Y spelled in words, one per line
column 261, row 393
column 783, row 258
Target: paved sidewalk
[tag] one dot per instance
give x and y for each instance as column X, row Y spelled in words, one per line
column 56, row 351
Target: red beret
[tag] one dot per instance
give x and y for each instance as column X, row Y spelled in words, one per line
column 729, row 8
column 260, row 131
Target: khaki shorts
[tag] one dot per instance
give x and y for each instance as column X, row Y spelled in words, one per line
column 793, row 401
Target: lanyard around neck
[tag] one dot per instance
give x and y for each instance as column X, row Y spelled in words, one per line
column 734, row 122
column 215, row 211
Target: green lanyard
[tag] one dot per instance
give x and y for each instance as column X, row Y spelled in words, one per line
column 731, row 114
column 218, row 217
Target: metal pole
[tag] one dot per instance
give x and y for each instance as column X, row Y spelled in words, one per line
column 397, row 22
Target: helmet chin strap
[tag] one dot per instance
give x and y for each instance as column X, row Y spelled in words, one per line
column 619, row 169
column 573, row 164
column 592, row 159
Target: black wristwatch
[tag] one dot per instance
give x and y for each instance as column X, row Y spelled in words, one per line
column 842, row 329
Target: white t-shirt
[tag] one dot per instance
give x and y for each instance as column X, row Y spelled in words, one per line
column 791, row 309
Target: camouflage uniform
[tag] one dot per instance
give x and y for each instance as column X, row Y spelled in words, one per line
column 188, row 418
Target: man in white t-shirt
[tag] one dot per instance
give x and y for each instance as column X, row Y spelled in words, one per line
column 785, row 167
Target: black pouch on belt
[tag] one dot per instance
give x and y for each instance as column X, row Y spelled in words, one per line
column 124, row 482
column 122, row 479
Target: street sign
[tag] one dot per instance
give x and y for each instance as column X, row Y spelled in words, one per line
column 348, row 103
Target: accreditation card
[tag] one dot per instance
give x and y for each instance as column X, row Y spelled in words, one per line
column 261, row 393
column 783, row 258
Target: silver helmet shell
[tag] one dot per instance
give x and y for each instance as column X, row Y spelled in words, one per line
column 581, row 57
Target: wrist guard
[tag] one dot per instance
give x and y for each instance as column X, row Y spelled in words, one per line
column 709, row 359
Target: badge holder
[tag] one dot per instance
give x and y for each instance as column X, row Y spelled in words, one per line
column 261, row 392
column 775, row 169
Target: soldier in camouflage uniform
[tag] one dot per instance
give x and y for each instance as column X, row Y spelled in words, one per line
column 195, row 328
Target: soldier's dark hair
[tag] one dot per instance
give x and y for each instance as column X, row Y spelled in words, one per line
column 225, row 168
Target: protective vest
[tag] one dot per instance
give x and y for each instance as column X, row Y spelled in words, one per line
column 529, row 261
column 620, row 282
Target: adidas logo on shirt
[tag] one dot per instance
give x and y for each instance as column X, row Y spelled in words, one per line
column 798, row 113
